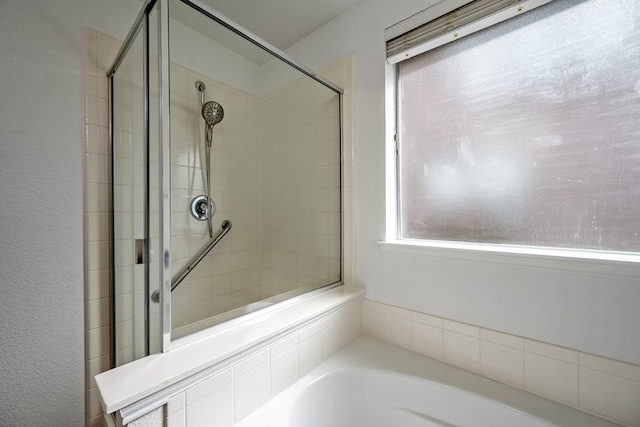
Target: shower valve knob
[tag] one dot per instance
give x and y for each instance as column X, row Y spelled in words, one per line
column 199, row 208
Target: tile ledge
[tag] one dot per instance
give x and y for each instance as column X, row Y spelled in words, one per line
column 139, row 380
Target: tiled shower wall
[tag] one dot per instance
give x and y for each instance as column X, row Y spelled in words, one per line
column 275, row 174
column 128, row 206
column 230, row 275
column 240, row 276
column 98, row 52
column 300, row 183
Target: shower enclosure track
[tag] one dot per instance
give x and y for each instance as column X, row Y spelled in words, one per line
column 226, row 227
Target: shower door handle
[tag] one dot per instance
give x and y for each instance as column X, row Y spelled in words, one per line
column 141, row 251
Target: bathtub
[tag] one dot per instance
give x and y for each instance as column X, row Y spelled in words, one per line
column 372, row 384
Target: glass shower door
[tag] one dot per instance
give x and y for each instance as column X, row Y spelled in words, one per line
column 135, row 195
column 262, row 139
column 129, row 195
column 271, row 167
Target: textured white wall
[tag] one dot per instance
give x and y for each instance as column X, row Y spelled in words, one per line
column 563, row 305
column 41, row 264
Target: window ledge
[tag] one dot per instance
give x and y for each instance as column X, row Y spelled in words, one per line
column 147, row 383
column 618, row 264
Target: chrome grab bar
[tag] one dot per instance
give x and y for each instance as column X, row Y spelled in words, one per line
column 226, row 227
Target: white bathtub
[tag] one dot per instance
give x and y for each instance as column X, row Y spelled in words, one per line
column 372, row 384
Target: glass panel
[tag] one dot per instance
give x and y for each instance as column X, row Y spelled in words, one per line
column 527, row 132
column 274, row 173
column 129, row 195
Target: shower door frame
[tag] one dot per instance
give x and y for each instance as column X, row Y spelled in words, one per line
column 142, row 21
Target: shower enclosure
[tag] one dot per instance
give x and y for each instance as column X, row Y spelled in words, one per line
column 226, row 192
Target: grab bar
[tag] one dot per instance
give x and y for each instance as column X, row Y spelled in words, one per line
column 226, row 227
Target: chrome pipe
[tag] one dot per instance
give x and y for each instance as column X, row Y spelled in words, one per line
column 208, row 133
column 208, row 187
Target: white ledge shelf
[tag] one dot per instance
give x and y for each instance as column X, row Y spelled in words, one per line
column 143, row 381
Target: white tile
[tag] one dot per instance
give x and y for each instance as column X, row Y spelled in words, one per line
column 98, row 421
column 251, row 391
column 332, row 339
column 373, row 305
column 208, row 386
column 505, row 364
column 426, row 340
column 350, row 272
column 553, row 351
column 310, row 331
column 93, row 403
column 310, row 353
column 397, row 312
column 239, row 261
column 426, row 319
column 107, row 48
column 611, row 396
column 373, row 323
column 551, row 378
column 461, row 350
column 342, row 332
column 176, row 404
column 179, row 80
column 176, row 420
column 96, row 111
column 461, row 328
column 214, row 409
column 355, row 323
column 96, row 226
column 91, row 76
column 97, row 197
column 180, row 176
column 610, row 366
column 333, row 318
column 200, row 289
column 98, row 284
column 89, row 46
column 97, row 314
column 97, row 139
column 502, row 339
column 96, row 366
column 284, row 370
column 284, row 344
column 397, row 330
column 92, row 168
column 98, row 342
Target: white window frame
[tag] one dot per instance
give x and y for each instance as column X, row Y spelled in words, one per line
column 621, row 264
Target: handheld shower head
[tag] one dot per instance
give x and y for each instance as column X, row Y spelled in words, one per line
column 212, row 113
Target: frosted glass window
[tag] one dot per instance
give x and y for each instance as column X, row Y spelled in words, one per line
column 527, row 132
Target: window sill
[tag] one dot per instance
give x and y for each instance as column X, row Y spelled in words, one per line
column 619, row 264
column 145, row 384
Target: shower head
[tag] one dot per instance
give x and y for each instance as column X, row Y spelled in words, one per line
column 212, row 113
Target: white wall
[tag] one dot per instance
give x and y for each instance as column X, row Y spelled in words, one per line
column 41, row 252
column 563, row 305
